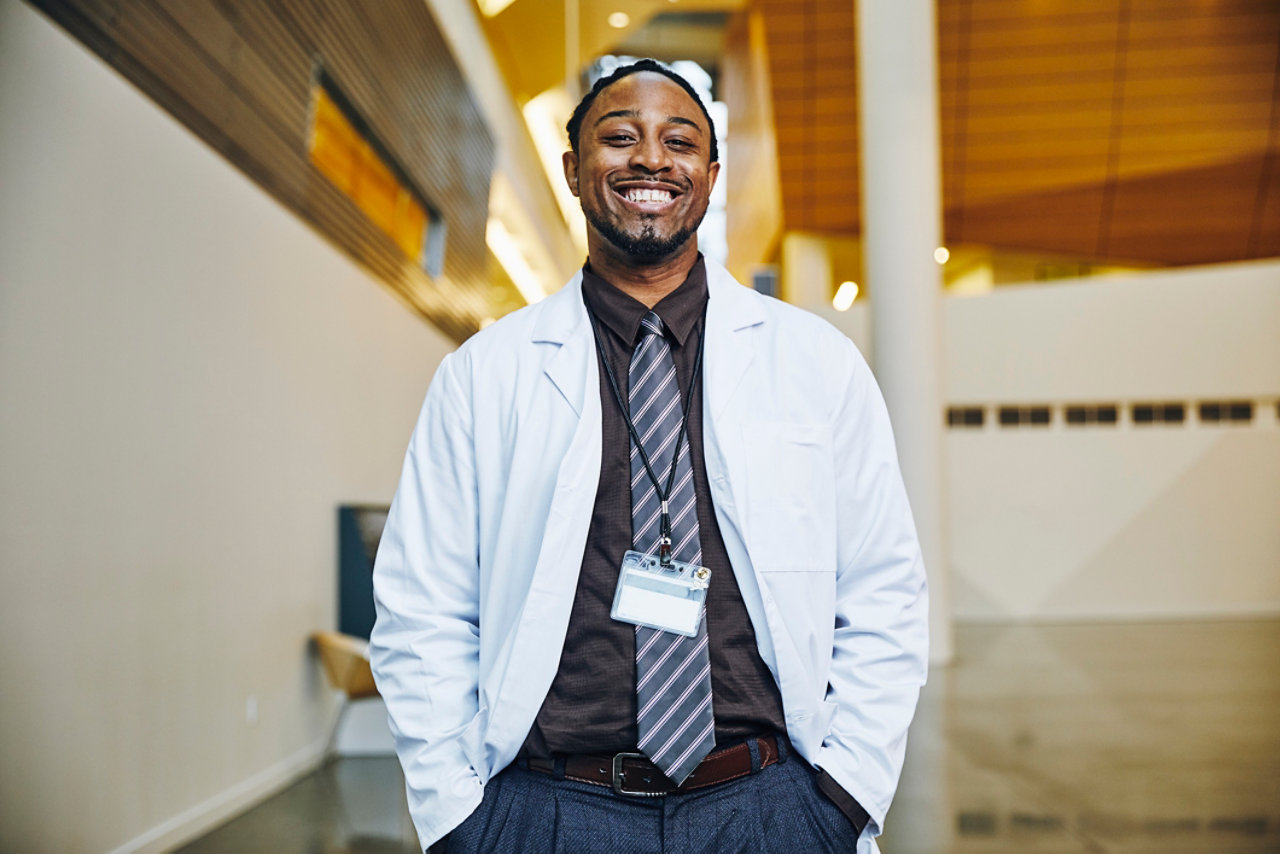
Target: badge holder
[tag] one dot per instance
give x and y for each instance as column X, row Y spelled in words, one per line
column 667, row 596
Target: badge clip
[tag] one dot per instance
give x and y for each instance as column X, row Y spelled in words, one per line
column 664, row 544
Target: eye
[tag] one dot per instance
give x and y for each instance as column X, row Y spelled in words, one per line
column 618, row 138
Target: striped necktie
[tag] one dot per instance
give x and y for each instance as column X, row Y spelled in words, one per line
column 676, row 728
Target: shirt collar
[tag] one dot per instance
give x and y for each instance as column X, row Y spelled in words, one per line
column 680, row 310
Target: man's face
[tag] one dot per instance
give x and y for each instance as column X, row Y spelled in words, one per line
column 643, row 170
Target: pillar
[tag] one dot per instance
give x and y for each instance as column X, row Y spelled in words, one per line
column 901, row 227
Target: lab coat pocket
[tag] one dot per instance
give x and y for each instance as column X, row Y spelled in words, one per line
column 790, row 496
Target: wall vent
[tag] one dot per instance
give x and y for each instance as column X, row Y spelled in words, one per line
column 1159, row 413
column 966, row 416
column 1101, row 413
column 1215, row 411
column 1025, row 416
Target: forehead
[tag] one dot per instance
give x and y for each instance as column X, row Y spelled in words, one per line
column 648, row 93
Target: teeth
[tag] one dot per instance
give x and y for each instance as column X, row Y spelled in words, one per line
column 639, row 194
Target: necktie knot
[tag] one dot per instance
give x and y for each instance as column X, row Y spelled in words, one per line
column 651, row 324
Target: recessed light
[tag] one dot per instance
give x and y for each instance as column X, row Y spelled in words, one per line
column 847, row 293
column 619, row 20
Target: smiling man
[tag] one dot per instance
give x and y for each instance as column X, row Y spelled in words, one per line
column 650, row 582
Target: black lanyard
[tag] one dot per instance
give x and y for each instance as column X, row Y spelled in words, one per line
column 664, row 544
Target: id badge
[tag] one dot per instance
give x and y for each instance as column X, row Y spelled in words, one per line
column 668, row 598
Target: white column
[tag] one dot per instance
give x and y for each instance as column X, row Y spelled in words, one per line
column 806, row 271
column 901, row 227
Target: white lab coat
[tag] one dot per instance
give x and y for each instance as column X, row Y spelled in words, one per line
column 478, row 565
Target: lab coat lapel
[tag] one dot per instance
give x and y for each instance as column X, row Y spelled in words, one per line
column 734, row 317
column 564, row 322
column 734, row 321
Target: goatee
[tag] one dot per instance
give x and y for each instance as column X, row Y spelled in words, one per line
column 645, row 246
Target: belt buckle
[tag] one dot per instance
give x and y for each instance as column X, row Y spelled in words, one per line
column 619, row 779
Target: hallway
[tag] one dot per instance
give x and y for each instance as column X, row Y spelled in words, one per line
column 1119, row 738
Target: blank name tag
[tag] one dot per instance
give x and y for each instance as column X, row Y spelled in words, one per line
column 668, row 598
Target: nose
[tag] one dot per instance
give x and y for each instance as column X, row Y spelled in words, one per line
column 650, row 155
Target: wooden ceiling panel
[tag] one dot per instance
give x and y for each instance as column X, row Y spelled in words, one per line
column 1109, row 129
column 1005, row 123
column 1243, row 86
column 793, row 88
column 810, row 49
column 1093, row 94
column 1139, row 146
column 1041, row 70
column 1033, row 222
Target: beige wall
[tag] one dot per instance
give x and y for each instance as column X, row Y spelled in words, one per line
column 190, row 382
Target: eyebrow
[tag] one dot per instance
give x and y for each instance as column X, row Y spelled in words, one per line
column 634, row 114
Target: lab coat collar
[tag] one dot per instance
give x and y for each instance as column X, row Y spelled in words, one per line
column 731, row 310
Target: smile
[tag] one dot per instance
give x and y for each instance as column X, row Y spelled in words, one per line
column 648, row 197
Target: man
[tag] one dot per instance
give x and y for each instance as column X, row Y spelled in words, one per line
column 650, row 581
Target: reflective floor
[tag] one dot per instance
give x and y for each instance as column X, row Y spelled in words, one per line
column 351, row 806
column 1133, row 739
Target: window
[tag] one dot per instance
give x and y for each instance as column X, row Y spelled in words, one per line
column 344, row 151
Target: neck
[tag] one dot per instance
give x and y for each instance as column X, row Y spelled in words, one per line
column 649, row 282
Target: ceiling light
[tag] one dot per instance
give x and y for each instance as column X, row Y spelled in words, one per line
column 544, row 116
column 505, row 248
column 619, row 20
column 845, row 296
column 493, row 7
column 941, row 254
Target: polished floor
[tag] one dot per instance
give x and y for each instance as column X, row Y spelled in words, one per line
column 1120, row 739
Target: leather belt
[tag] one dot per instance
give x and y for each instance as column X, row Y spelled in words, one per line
column 633, row 773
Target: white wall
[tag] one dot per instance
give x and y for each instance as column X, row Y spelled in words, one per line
column 1202, row 332
column 1130, row 521
column 190, row 381
column 1114, row 522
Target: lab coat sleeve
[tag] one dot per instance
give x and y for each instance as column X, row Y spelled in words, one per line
column 425, row 643
column 879, row 660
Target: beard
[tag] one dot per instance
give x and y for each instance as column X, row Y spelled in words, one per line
column 647, row 245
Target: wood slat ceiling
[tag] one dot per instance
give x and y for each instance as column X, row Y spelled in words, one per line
column 239, row 74
column 810, row 45
column 1116, row 130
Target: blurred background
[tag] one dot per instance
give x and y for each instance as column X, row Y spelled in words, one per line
column 236, row 238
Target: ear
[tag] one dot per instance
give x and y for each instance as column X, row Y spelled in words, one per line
column 570, row 161
column 713, row 172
